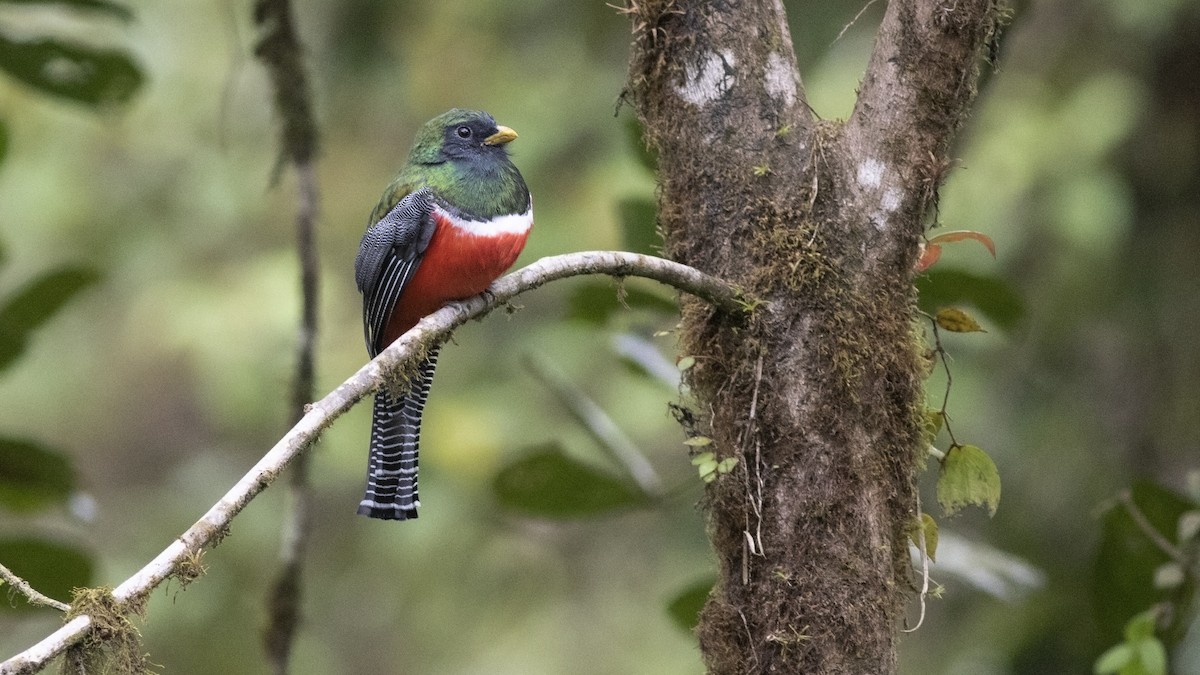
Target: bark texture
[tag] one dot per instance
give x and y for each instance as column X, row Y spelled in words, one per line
column 818, row 392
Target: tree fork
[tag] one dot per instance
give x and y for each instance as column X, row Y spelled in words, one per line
column 818, row 395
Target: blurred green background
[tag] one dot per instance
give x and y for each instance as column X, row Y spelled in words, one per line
column 166, row 380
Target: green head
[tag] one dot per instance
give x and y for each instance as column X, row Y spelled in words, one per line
column 462, row 155
column 460, row 135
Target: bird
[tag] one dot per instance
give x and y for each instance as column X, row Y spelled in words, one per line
column 453, row 220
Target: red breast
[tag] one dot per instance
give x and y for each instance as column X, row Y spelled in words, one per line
column 459, row 262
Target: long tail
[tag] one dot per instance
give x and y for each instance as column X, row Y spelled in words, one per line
column 395, row 437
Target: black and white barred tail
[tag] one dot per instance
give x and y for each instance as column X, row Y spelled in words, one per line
column 395, row 437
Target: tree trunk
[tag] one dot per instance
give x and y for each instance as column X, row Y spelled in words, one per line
column 818, row 394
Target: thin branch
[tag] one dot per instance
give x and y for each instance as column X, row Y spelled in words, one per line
column 854, row 20
column 23, row 587
column 922, row 546
column 942, row 356
column 600, row 425
column 1148, row 529
column 280, row 51
column 284, row 600
column 434, row 328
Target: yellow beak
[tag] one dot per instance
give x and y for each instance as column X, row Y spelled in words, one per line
column 503, row 135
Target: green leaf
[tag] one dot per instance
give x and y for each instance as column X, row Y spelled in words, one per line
column 31, row 306
column 51, row 568
column 1126, row 560
column 1153, row 656
column 90, row 75
column 685, row 607
column 102, row 6
column 930, row 526
column 698, row 441
column 993, row 297
column 968, row 477
column 548, row 483
column 32, row 477
column 1141, row 626
column 1113, row 660
column 638, row 216
column 595, row 302
column 34, row 304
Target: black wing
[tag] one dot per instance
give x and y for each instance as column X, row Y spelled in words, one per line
column 390, row 252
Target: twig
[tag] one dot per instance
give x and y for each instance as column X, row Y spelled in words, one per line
column 924, row 584
column 600, row 425
column 432, row 329
column 853, row 21
column 753, row 542
column 23, row 587
column 1149, row 530
column 944, row 358
column 284, row 600
column 924, row 548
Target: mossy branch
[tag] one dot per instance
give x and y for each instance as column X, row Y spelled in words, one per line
column 280, row 51
column 435, row 328
column 31, row 593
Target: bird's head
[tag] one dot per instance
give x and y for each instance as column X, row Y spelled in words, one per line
column 460, row 135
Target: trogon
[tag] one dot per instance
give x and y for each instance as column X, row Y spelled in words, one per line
column 453, row 220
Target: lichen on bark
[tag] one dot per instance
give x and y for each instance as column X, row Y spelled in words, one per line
column 818, row 392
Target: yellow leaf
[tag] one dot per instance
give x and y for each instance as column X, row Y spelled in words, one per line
column 957, row 321
column 934, row 420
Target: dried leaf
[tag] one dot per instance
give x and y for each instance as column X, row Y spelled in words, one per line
column 960, row 235
column 929, row 255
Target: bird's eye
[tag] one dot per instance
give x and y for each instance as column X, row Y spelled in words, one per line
column 463, row 132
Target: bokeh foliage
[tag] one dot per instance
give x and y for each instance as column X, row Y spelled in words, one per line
column 35, row 478
column 168, row 377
